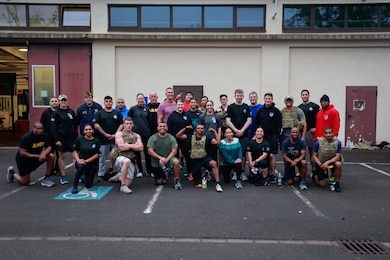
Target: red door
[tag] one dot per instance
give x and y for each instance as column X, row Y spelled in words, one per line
column 72, row 72
column 360, row 116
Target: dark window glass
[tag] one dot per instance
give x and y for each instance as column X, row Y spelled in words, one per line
column 362, row 16
column 297, row 17
column 329, row 17
column 218, row 17
column 76, row 16
column 250, row 17
column 187, row 16
column 155, row 17
column 385, row 16
column 123, row 16
column 43, row 15
column 12, row 15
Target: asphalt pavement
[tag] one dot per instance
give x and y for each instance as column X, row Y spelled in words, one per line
column 161, row 223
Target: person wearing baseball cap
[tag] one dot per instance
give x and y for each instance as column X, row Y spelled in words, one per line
column 328, row 116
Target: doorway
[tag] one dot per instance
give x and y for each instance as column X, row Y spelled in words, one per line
column 196, row 90
column 361, row 109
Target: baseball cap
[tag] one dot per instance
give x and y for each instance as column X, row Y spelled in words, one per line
column 62, row 96
column 289, row 97
column 325, row 98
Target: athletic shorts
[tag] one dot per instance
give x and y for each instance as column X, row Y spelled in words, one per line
column 289, row 172
column 27, row 166
column 118, row 165
column 67, row 144
column 309, row 139
column 262, row 164
column 322, row 175
column 273, row 143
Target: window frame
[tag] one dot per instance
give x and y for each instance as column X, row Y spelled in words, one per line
column 175, row 29
column 35, row 89
column 345, row 28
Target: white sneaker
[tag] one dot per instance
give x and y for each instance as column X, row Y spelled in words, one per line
column 243, row 177
column 234, row 177
column 218, row 188
column 115, row 178
column 125, row 189
column 47, row 183
column 139, row 175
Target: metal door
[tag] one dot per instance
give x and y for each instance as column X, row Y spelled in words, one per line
column 360, row 110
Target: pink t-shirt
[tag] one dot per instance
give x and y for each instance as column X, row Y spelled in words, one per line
column 166, row 109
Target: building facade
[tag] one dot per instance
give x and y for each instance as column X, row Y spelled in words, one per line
column 120, row 48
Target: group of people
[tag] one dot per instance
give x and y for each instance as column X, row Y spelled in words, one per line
column 206, row 139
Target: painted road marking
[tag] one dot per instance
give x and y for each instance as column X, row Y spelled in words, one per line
column 374, row 169
column 153, row 201
column 308, row 203
column 94, row 193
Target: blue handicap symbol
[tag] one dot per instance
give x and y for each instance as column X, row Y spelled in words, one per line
column 94, row 193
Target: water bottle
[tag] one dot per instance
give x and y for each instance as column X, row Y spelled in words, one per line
column 204, row 183
column 280, row 179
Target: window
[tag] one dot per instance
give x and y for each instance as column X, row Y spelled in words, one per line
column 155, row 17
column 43, row 15
column 123, row 16
column 250, row 17
column 76, row 16
column 218, row 17
column 43, row 84
column 187, row 18
column 12, row 15
column 341, row 17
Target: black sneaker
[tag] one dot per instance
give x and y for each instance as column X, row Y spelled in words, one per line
column 10, row 174
column 337, row 187
column 74, row 190
column 100, row 179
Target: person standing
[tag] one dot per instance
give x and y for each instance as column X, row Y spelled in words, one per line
column 46, row 121
column 121, row 107
column 153, row 108
column 254, row 106
column 310, row 109
column 127, row 143
column 167, row 107
column 222, row 110
column 194, row 112
column 187, row 100
column 140, row 114
column 270, row 119
column 34, row 150
column 203, row 102
column 327, row 154
column 294, row 154
column 64, row 130
column 239, row 118
column 327, row 116
column 107, row 122
column 162, row 147
column 86, row 112
column 292, row 116
column 86, row 156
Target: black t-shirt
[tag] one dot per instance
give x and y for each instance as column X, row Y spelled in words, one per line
column 177, row 121
column 87, row 148
column 238, row 115
column 153, row 117
column 109, row 121
column 257, row 149
column 311, row 109
column 34, row 144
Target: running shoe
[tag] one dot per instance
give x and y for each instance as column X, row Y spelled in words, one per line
column 139, row 175
column 75, row 190
column 218, row 188
column 234, row 177
column 10, row 174
column 190, row 177
column 64, row 180
column 125, row 189
column 243, row 177
column 238, row 185
column 47, row 183
column 177, row 185
column 302, row 185
column 115, row 178
column 337, row 187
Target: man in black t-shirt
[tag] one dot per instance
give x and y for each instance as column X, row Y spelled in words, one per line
column 34, row 150
column 239, row 119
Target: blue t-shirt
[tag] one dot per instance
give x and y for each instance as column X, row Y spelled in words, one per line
column 293, row 151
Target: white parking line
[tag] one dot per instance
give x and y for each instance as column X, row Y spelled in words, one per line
column 374, row 169
column 153, row 201
column 31, row 183
column 308, row 203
